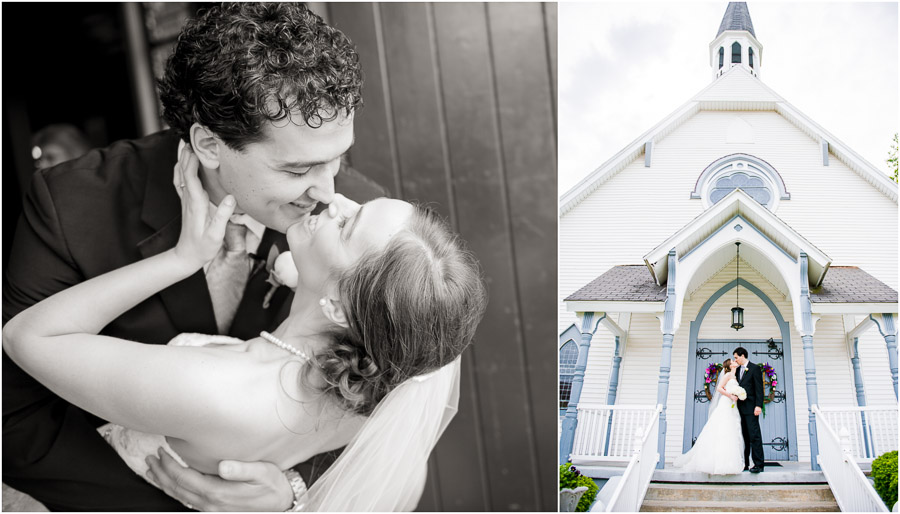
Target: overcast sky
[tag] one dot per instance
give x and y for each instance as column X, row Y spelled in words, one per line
column 623, row 67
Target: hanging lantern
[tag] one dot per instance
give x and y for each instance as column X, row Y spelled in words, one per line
column 737, row 313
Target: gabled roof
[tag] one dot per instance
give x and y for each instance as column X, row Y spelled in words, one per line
column 737, row 17
column 738, row 204
column 735, row 90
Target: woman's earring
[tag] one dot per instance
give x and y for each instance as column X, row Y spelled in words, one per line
column 322, row 302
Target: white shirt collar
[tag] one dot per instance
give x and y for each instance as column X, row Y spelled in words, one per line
column 254, row 226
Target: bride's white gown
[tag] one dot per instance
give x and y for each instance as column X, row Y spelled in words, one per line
column 719, row 449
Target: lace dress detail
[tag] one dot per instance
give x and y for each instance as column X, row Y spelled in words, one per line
column 719, row 449
column 134, row 446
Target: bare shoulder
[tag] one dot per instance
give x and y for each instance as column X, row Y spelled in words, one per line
column 263, row 412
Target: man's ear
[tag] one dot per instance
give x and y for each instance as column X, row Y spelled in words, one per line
column 206, row 146
column 334, row 312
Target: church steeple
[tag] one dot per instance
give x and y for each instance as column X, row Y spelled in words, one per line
column 735, row 44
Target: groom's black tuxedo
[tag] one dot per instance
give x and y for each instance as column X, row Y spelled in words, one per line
column 752, row 382
column 80, row 219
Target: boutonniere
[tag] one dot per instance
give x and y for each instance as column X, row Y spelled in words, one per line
column 282, row 272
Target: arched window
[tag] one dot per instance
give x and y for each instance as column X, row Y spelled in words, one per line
column 751, row 174
column 751, row 183
column 721, row 57
column 736, row 52
column 568, row 356
column 750, row 53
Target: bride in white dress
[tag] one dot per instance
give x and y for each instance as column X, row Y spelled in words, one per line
column 387, row 300
column 719, row 449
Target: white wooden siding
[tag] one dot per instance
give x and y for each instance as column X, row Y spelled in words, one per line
column 629, row 215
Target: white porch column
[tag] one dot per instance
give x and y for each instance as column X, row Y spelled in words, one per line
column 665, row 361
column 570, row 421
column 807, row 329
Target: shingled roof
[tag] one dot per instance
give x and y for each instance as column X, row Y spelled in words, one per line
column 849, row 284
column 737, row 17
column 634, row 283
column 631, row 283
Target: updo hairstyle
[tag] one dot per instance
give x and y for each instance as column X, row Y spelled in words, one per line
column 411, row 308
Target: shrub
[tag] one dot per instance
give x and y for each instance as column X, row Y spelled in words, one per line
column 884, row 471
column 570, row 478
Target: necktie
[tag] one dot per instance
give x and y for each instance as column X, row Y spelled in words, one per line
column 743, row 368
column 227, row 276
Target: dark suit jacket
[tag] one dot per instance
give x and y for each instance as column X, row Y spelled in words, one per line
column 752, row 382
column 80, row 219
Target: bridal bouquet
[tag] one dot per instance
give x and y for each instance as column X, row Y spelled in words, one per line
column 733, row 388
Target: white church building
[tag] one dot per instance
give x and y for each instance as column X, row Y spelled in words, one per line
column 736, row 205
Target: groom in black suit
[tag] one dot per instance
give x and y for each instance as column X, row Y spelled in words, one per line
column 265, row 97
column 750, row 378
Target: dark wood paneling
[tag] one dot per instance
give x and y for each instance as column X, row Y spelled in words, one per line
column 526, row 110
column 373, row 153
column 460, row 114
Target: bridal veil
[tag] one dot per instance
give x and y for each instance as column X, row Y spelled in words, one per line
column 384, row 466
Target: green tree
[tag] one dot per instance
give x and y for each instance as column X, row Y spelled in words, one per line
column 892, row 159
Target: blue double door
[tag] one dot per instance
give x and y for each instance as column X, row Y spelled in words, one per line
column 777, row 444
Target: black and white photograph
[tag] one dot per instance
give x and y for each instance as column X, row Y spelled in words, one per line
column 728, row 256
column 279, row 257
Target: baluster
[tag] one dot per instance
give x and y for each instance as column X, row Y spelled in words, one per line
column 578, row 443
column 589, row 434
column 583, row 424
column 579, row 432
column 598, row 429
column 614, row 448
column 590, row 426
column 620, row 429
column 876, row 432
column 605, row 428
column 872, row 418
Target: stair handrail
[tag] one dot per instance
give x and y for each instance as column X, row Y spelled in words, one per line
column 850, row 487
column 630, row 491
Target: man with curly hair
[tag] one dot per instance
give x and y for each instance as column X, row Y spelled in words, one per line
column 265, row 95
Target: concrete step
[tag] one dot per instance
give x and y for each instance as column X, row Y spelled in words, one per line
column 772, row 475
column 731, row 506
column 705, row 497
column 748, row 493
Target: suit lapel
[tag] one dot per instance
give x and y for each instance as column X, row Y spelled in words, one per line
column 187, row 302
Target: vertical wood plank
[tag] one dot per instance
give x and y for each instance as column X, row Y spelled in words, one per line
column 373, row 151
column 526, row 106
column 415, row 103
column 472, row 134
column 477, row 170
column 550, row 23
column 450, row 124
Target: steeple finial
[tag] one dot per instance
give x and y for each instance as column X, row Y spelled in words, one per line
column 737, row 17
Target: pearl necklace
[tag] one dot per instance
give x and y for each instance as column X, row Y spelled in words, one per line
column 284, row 346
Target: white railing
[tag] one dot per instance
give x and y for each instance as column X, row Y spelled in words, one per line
column 630, row 491
column 872, row 430
column 850, row 487
column 606, row 433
